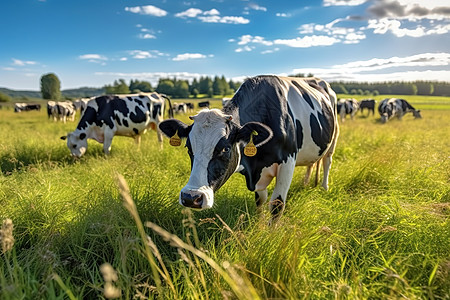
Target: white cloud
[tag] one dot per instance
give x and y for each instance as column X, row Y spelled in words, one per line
column 369, row 70
column 8, row 69
column 145, row 36
column 308, row 41
column 211, row 16
column 190, row 13
column 140, row 54
column 343, row 2
column 246, row 39
column 244, row 49
column 283, row 15
column 187, row 56
column 147, row 10
column 21, row 63
column 270, row 51
column 94, row 58
column 393, row 26
column 255, row 6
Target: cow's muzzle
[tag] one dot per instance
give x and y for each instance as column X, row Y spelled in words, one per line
column 192, row 199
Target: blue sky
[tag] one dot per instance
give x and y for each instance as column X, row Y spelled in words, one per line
column 92, row 43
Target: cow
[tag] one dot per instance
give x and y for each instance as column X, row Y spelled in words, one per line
column 80, row 104
column 63, row 110
column 123, row 115
column 271, row 125
column 225, row 101
column 19, row 107
column 179, row 108
column 50, row 105
column 347, row 107
column 394, row 107
column 369, row 104
column 203, row 104
column 190, row 106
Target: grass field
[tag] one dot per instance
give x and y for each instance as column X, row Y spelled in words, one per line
column 381, row 232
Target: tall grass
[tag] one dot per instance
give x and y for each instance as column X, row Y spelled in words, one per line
column 381, row 231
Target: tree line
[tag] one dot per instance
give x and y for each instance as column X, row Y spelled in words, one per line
column 209, row 87
column 425, row 88
column 177, row 88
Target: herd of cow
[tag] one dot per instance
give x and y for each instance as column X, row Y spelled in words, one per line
column 388, row 108
column 271, row 125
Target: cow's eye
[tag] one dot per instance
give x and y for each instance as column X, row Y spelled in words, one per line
column 226, row 150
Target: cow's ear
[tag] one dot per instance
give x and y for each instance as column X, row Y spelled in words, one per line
column 262, row 136
column 171, row 126
column 64, row 137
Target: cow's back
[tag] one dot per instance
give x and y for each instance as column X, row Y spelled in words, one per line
column 301, row 117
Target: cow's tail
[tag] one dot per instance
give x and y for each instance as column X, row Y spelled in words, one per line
column 170, row 105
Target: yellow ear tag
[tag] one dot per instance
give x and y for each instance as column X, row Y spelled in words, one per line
column 175, row 140
column 250, row 148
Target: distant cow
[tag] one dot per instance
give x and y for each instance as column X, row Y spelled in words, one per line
column 204, row 104
column 63, row 110
column 347, row 107
column 19, row 107
column 179, row 108
column 394, row 107
column 122, row 115
column 271, row 125
column 50, row 105
column 80, row 104
column 190, row 106
column 368, row 104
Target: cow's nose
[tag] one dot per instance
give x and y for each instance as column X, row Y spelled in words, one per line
column 192, row 200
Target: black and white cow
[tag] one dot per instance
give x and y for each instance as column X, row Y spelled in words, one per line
column 122, row 115
column 368, row 104
column 394, row 107
column 80, row 104
column 347, row 107
column 291, row 121
column 63, row 110
column 19, row 107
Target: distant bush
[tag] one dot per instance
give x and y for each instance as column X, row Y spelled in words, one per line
column 4, row 98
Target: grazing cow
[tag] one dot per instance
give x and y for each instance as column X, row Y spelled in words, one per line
column 63, row 110
column 369, row 104
column 123, row 115
column 190, row 106
column 19, row 107
column 179, row 108
column 50, row 105
column 271, row 125
column 80, row 104
column 203, row 104
column 392, row 107
column 347, row 107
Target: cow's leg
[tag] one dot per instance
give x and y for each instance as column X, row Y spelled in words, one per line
column 260, row 199
column 308, row 174
column 160, row 137
column 283, row 182
column 108, row 136
column 316, row 180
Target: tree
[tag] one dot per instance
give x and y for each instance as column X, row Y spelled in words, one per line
column 50, row 87
column 118, row 87
column 165, row 86
column 181, row 89
column 140, row 86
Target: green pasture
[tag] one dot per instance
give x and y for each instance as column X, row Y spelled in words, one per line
column 381, row 231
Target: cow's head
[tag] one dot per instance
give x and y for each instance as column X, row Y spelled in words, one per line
column 77, row 143
column 416, row 114
column 384, row 118
column 213, row 142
